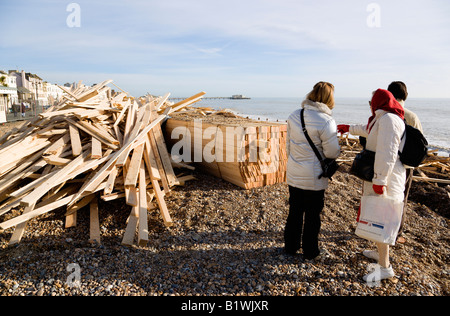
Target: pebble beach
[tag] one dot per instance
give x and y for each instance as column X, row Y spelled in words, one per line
column 227, row 241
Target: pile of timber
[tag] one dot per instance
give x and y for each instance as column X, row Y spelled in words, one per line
column 245, row 152
column 93, row 143
column 434, row 169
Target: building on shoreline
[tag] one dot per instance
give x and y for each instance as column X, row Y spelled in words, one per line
column 8, row 94
column 19, row 88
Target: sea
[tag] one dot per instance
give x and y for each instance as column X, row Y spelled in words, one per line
column 434, row 114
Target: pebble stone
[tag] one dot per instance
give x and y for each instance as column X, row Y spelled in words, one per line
column 225, row 241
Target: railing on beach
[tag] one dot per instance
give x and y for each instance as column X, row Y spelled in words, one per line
column 14, row 114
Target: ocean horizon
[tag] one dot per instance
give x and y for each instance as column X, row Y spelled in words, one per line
column 433, row 113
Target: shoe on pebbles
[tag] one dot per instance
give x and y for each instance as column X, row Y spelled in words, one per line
column 379, row 273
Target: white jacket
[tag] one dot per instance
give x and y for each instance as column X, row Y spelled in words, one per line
column 303, row 167
column 385, row 140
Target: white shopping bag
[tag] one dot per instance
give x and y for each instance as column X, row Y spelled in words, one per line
column 379, row 219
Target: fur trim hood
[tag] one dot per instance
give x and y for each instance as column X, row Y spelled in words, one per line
column 316, row 106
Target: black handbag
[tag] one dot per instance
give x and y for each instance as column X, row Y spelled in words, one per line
column 329, row 166
column 363, row 165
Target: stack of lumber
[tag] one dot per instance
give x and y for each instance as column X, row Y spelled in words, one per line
column 93, row 143
column 434, row 169
column 245, row 152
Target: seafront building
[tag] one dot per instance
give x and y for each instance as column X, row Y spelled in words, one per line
column 20, row 88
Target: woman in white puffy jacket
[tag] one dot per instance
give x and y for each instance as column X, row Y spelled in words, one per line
column 306, row 187
column 384, row 136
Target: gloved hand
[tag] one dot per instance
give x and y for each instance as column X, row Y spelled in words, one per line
column 343, row 128
column 379, row 189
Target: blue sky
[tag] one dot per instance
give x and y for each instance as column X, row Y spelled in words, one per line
column 260, row 48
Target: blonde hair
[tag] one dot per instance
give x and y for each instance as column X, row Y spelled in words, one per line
column 323, row 92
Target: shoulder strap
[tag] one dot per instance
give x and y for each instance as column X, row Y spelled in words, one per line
column 302, row 118
column 404, row 133
column 403, row 136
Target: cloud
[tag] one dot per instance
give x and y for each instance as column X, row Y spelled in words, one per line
column 227, row 42
column 210, row 51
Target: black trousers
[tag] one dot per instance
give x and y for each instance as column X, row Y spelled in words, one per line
column 303, row 222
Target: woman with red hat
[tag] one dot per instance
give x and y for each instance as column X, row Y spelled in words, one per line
column 384, row 133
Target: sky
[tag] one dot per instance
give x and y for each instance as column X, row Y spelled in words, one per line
column 258, row 48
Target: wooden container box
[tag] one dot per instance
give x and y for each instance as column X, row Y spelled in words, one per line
column 245, row 152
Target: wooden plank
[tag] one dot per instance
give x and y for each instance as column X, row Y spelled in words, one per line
column 27, row 147
column 17, row 139
column 71, row 220
column 52, row 132
column 178, row 106
column 159, row 165
column 80, row 204
column 75, row 140
column 130, row 230
column 150, row 160
column 34, row 213
column 129, row 133
column 96, row 148
column 94, row 231
column 20, row 228
column 103, row 172
column 135, row 164
column 65, row 112
column 143, row 223
column 164, row 154
column 142, row 119
column 129, row 122
column 111, row 196
column 57, row 161
column 10, row 204
column 45, row 208
column 68, row 91
column 92, row 92
column 427, row 179
column 32, row 185
column 102, row 136
column 54, row 196
column 30, row 166
column 131, row 196
column 111, row 180
column 162, row 101
column 162, row 204
column 88, row 165
column 92, row 114
column 122, row 113
column 118, row 134
column 55, row 179
column 55, row 147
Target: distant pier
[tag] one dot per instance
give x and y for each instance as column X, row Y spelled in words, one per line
column 234, row 97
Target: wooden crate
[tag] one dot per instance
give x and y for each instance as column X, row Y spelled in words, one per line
column 247, row 153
